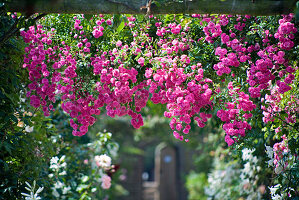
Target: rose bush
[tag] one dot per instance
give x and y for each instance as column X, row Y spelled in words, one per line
column 160, row 60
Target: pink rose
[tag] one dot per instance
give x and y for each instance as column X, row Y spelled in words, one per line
column 106, row 182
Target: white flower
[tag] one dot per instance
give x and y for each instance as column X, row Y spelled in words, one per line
column 247, row 168
column 276, row 197
column 274, row 188
column 103, row 161
column 258, row 168
column 269, row 151
column 62, row 173
column 63, row 164
column 270, row 154
column 58, row 184
column 84, row 179
column 55, row 193
column 56, row 163
column 247, row 154
column 65, row 190
column 29, row 129
column 54, row 160
column 62, row 158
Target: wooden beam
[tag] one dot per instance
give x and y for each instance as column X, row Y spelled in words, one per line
column 251, row 7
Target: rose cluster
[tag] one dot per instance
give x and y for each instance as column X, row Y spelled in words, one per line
column 159, row 66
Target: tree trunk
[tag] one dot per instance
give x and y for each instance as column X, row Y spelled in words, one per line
column 251, row 7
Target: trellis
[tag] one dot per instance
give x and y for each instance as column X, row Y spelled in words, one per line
column 251, row 7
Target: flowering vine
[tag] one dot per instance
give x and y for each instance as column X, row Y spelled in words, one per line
column 157, row 62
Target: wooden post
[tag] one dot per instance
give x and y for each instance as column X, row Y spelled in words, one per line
column 166, row 172
column 251, row 7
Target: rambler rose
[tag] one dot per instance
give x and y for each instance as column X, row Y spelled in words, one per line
column 160, row 65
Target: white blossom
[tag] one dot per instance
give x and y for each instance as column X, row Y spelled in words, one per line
column 247, row 154
column 103, row 161
column 29, row 129
column 273, row 190
column 55, row 193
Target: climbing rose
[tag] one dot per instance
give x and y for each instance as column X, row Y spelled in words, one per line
column 106, row 182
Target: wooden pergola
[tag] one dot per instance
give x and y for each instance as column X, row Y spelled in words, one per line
column 251, row 7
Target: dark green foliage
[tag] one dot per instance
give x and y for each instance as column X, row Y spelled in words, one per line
column 24, row 156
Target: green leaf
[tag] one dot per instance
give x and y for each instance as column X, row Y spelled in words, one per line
column 157, row 3
column 121, row 26
column 8, row 147
column 14, row 118
column 116, row 21
column 88, row 17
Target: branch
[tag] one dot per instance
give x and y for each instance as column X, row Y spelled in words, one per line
column 39, row 16
column 14, row 29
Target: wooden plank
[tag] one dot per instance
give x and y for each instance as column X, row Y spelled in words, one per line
column 251, row 7
column 77, row 6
